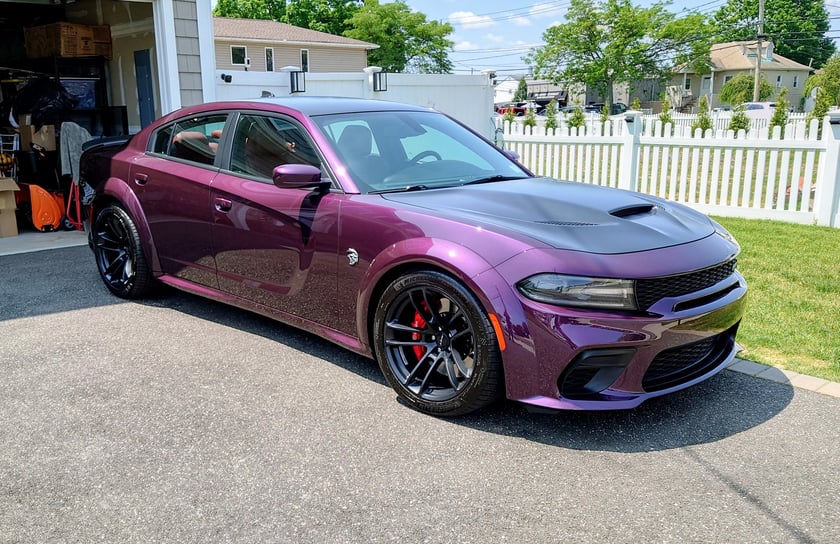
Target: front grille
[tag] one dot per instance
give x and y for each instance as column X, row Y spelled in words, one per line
column 649, row 291
column 681, row 364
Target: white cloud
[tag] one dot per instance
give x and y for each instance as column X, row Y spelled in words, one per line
column 495, row 38
column 555, row 23
column 521, row 21
column 464, row 46
column 468, row 19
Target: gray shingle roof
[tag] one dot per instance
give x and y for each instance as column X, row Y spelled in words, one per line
column 272, row 31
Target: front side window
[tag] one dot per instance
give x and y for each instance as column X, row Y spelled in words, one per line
column 304, row 60
column 261, row 143
column 795, row 81
column 779, row 82
column 194, row 139
column 238, row 54
column 688, row 84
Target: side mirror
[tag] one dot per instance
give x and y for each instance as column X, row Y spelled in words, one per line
column 298, row 176
column 511, row 154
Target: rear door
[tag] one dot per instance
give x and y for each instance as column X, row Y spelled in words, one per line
column 172, row 182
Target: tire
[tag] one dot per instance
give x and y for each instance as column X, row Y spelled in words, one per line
column 119, row 254
column 436, row 346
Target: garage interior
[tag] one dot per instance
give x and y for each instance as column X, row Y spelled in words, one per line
column 70, row 71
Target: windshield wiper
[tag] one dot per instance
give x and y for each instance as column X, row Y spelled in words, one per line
column 491, row 179
column 400, row 189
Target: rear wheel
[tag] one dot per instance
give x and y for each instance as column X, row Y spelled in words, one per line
column 119, row 254
column 436, row 346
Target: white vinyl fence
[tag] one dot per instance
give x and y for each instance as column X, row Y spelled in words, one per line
column 791, row 176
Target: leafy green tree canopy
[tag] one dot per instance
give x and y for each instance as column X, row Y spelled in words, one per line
column 739, row 89
column 797, row 28
column 407, row 41
column 827, row 81
column 331, row 16
column 274, row 10
column 613, row 41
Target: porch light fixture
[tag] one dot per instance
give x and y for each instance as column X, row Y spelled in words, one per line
column 227, row 78
column 297, row 80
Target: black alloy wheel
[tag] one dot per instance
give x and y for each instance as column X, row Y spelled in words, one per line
column 119, row 254
column 436, row 346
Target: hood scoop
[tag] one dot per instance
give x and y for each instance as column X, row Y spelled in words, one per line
column 630, row 211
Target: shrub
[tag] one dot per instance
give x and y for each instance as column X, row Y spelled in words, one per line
column 780, row 112
column 530, row 118
column 703, row 121
column 551, row 116
column 739, row 120
column 665, row 116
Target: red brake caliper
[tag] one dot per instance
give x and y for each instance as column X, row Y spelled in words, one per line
column 419, row 323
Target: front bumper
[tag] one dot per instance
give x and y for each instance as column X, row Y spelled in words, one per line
column 597, row 361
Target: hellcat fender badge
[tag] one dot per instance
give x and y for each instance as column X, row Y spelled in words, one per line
column 352, row 257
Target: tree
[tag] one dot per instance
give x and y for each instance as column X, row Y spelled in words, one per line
column 665, row 115
column 551, row 116
column 703, row 121
column 407, row 41
column 530, row 118
column 521, row 94
column 274, row 10
column 331, row 16
column 797, row 28
column 577, row 119
column 780, row 113
column 739, row 89
column 827, row 81
column 612, row 41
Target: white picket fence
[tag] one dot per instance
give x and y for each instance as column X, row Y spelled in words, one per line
column 789, row 176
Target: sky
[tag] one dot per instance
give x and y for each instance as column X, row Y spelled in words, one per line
column 495, row 34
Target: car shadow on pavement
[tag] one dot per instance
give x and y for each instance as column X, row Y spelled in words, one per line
column 62, row 280
column 726, row 404
column 722, row 406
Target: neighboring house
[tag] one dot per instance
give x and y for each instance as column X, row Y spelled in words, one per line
column 730, row 59
column 539, row 90
column 268, row 46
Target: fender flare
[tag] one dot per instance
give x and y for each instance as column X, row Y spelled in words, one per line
column 119, row 190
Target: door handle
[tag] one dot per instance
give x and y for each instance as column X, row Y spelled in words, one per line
column 222, row 205
column 141, row 179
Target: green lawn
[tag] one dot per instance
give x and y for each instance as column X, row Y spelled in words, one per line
column 793, row 311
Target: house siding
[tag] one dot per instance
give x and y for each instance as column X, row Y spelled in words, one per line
column 321, row 58
column 189, row 51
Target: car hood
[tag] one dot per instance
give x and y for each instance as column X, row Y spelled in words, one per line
column 566, row 215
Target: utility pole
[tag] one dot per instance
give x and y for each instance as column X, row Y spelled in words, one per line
column 759, row 39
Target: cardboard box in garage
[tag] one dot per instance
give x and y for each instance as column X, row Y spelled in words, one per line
column 67, row 40
column 44, row 137
column 8, row 220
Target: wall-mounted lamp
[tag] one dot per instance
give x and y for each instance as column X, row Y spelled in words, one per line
column 227, row 78
column 380, row 82
column 377, row 79
column 297, row 81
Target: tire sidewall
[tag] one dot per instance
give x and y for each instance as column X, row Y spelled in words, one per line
column 134, row 288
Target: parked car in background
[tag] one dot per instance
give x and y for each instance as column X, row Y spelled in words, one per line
column 759, row 110
column 400, row 234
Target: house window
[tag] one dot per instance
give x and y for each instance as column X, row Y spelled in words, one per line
column 688, row 84
column 779, row 82
column 795, row 81
column 269, row 59
column 304, row 60
column 238, row 54
column 726, row 79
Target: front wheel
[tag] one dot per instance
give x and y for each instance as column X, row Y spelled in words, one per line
column 119, row 254
column 436, row 346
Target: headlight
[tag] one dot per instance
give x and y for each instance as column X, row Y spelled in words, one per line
column 580, row 291
column 723, row 233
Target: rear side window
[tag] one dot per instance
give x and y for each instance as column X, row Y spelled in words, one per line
column 194, row 139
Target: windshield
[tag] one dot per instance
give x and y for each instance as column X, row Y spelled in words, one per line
column 391, row 151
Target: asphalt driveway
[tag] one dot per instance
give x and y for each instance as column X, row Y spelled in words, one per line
column 181, row 420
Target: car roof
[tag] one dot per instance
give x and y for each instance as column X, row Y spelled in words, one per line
column 324, row 105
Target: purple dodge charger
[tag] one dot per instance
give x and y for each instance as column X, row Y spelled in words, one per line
column 398, row 233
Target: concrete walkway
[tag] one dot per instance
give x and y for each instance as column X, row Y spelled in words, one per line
column 28, row 241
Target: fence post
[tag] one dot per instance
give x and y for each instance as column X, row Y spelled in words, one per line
column 828, row 184
column 629, row 164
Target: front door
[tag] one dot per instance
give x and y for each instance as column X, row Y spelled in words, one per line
column 275, row 246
